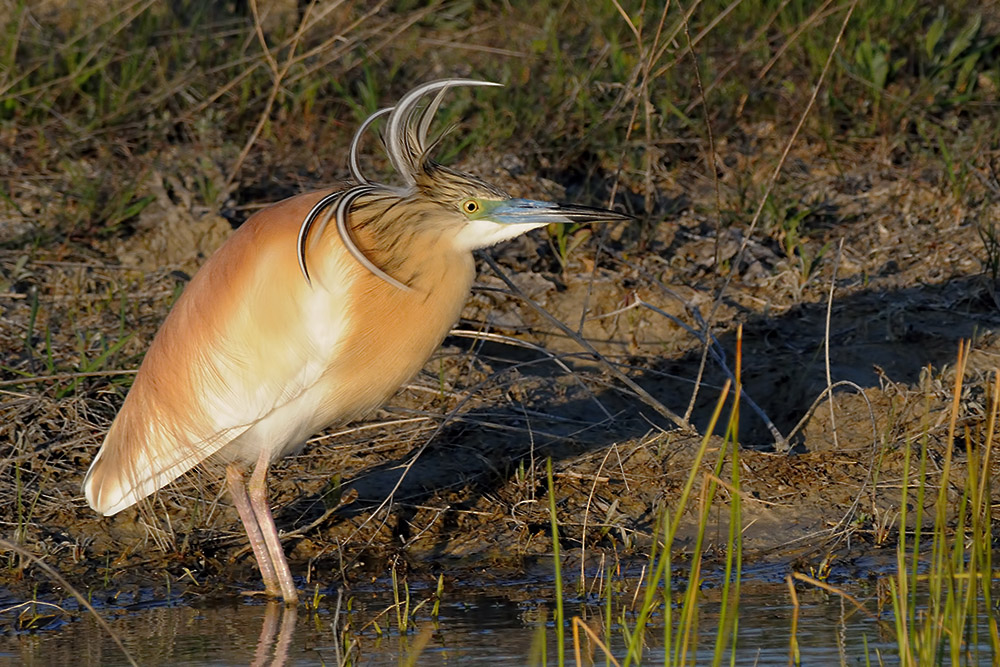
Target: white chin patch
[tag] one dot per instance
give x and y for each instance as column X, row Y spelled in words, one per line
column 484, row 233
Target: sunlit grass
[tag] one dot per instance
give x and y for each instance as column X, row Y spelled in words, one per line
column 942, row 610
column 676, row 608
column 942, row 589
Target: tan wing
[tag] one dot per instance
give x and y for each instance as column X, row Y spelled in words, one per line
column 245, row 340
column 254, row 360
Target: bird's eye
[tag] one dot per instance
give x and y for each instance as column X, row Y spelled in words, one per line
column 470, row 206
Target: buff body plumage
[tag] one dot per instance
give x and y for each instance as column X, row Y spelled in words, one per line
column 266, row 363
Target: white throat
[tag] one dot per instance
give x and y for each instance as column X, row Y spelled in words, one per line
column 477, row 234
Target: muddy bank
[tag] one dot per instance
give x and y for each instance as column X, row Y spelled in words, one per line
column 508, row 390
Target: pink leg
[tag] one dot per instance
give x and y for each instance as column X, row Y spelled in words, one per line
column 262, row 510
column 238, row 490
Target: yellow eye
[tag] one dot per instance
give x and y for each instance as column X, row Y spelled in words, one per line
column 470, row 206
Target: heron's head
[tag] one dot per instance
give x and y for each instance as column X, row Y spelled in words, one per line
column 475, row 213
column 481, row 214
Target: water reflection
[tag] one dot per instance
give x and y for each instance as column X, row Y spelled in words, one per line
column 267, row 647
column 496, row 627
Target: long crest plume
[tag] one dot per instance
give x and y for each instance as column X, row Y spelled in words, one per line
column 407, row 148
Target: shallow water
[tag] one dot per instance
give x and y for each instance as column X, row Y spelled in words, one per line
column 496, row 626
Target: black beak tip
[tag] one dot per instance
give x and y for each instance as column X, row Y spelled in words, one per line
column 592, row 214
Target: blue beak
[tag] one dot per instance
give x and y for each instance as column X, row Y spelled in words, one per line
column 530, row 211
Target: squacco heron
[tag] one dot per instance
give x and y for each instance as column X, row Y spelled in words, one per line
column 290, row 326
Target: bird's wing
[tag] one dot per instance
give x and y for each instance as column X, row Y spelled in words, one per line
column 232, row 362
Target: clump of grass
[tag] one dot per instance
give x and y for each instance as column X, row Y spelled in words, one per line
column 941, row 592
column 678, row 608
column 942, row 602
column 938, row 613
